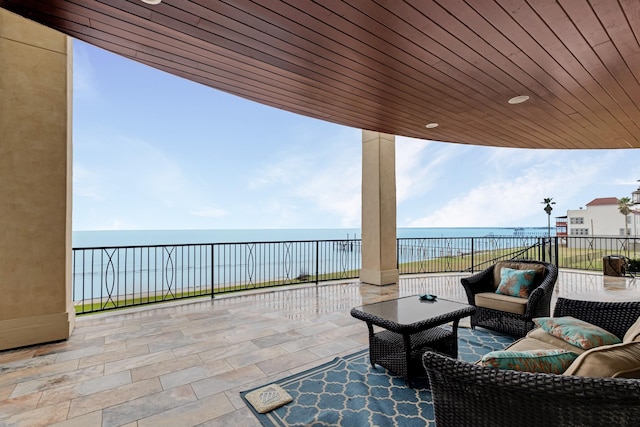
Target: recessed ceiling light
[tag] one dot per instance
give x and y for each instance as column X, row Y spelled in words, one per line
column 431, row 125
column 151, row 1
column 518, row 99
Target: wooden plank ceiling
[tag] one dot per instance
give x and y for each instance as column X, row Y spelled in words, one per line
column 394, row 66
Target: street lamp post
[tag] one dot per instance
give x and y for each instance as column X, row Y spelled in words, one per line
column 547, row 208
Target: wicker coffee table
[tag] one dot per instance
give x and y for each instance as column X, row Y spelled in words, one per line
column 412, row 326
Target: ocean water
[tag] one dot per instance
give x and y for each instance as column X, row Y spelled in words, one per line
column 110, row 238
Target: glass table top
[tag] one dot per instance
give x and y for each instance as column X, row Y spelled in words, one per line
column 410, row 310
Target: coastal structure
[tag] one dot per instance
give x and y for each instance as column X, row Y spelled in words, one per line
column 455, row 72
column 601, row 217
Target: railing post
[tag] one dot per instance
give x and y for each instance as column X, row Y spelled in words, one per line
column 557, row 252
column 472, row 253
column 317, row 261
column 212, row 275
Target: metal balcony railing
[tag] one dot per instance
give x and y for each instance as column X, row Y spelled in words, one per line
column 107, row 278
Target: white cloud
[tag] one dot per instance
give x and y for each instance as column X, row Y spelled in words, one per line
column 420, row 164
column 85, row 184
column 321, row 186
column 274, row 174
column 513, row 196
column 210, row 212
column 84, row 75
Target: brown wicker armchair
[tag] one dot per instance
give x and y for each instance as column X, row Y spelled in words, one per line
column 499, row 316
column 466, row 394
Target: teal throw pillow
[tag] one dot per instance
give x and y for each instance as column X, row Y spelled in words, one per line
column 515, row 283
column 576, row 332
column 547, row 361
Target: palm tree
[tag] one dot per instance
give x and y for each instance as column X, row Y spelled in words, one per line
column 624, row 206
column 547, row 208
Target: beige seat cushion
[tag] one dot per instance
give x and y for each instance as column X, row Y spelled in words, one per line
column 527, row 344
column 540, row 334
column 501, row 302
column 617, row 361
column 633, row 333
column 538, row 339
column 538, row 268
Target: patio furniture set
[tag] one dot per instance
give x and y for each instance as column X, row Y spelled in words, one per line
column 579, row 367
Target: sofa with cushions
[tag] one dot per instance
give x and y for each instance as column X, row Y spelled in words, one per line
column 581, row 367
column 510, row 294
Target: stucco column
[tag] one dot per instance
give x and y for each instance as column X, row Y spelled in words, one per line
column 35, row 183
column 379, row 256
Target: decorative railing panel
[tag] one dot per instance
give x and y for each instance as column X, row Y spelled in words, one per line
column 114, row 277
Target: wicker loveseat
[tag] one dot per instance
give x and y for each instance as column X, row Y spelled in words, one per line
column 466, row 394
column 510, row 314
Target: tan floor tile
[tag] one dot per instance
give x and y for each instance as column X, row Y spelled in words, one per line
column 87, row 420
column 104, row 399
column 279, row 338
column 16, row 355
column 170, row 344
column 345, row 331
column 150, row 337
column 53, row 348
column 92, row 323
column 311, row 364
column 289, row 361
column 37, row 372
column 138, row 361
column 238, row 418
column 316, row 329
column 84, row 388
column 57, row 380
column 226, row 381
column 165, row 367
column 5, row 391
column 19, row 404
column 192, row 413
column 39, row 417
column 143, row 407
column 112, row 356
column 110, row 332
column 363, row 338
column 194, row 373
column 336, row 347
column 87, row 351
column 248, row 335
column 304, row 343
column 256, row 356
column 200, row 347
column 227, row 351
column 29, row 362
column 192, row 329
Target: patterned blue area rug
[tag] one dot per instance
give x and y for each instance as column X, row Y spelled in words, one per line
column 349, row 392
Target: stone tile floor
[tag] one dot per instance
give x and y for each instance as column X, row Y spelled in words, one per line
column 184, row 364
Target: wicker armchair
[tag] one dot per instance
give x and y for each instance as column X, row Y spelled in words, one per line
column 515, row 324
column 465, row 394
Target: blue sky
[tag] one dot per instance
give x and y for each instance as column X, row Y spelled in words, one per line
column 154, row 151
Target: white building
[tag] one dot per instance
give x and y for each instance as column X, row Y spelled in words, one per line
column 602, row 217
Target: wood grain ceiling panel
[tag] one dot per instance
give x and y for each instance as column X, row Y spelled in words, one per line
column 393, row 66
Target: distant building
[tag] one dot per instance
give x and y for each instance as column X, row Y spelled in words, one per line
column 601, row 217
column 561, row 226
